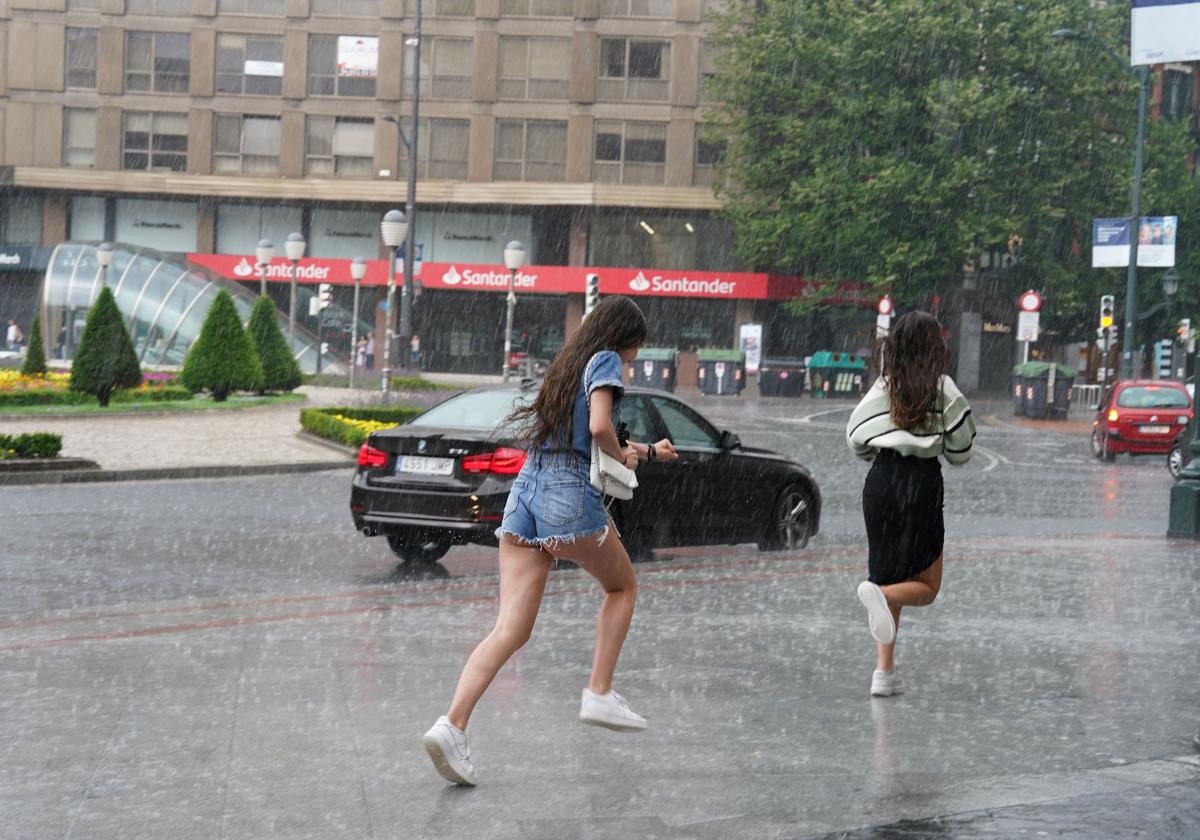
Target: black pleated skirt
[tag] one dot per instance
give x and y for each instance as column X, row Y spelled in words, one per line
column 902, row 507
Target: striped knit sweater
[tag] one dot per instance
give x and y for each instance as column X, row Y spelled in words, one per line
column 949, row 433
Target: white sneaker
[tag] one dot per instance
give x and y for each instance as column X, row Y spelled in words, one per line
column 611, row 711
column 447, row 748
column 886, row 683
column 883, row 626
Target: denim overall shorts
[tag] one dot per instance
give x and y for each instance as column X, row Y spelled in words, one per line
column 553, row 502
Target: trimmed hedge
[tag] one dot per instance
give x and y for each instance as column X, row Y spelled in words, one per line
column 32, row 445
column 52, row 396
column 323, row 423
column 399, row 383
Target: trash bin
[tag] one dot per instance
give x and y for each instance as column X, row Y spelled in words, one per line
column 1035, row 387
column 836, row 374
column 781, row 377
column 654, row 367
column 722, row 372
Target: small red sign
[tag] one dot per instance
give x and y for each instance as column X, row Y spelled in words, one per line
column 1031, row 302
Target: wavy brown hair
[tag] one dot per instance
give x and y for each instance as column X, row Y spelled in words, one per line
column 914, row 360
column 615, row 324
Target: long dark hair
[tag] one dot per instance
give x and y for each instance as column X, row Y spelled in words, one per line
column 914, row 360
column 615, row 324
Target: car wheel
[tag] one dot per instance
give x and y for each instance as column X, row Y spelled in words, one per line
column 1175, row 461
column 790, row 523
column 1097, row 444
column 419, row 549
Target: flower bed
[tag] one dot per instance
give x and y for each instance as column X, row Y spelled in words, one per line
column 32, row 445
column 17, row 389
column 352, row 426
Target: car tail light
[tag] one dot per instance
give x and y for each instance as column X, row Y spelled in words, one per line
column 504, row 461
column 1113, row 415
column 369, row 456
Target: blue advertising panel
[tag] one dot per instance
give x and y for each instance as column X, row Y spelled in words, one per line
column 1110, row 243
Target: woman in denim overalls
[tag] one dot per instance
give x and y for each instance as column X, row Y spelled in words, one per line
column 553, row 511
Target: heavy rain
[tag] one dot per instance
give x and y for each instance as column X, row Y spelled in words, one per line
column 806, row 387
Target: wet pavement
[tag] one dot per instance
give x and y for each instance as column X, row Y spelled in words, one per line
column 226, row 658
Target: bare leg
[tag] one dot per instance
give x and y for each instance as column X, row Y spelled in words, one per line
column 609, row 564
column 523, row 572
column 917, row 592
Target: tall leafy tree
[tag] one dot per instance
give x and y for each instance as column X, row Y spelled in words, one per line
column 222, row 359
column 35, row 352
column 280, row 371
column 105, row 359
column 890, row 142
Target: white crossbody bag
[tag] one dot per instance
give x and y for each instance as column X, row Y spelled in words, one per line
column 609, row 476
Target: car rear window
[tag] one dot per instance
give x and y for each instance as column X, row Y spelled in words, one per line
column 473, row 410
column 1150, row 396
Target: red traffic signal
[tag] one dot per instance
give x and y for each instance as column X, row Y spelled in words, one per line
column 1030, row 302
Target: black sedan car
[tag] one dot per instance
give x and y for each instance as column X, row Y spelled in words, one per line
column 443, row 480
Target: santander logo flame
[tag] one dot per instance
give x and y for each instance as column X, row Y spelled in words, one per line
column 452, row 277
column 243, row 269
column 639, row 283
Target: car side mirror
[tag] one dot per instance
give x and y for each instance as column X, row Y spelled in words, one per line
column 729, row 440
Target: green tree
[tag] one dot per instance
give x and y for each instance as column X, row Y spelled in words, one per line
column 105, row 359
column 891, row 143
column 222, row 359
column 35, row 352
column 280, row 371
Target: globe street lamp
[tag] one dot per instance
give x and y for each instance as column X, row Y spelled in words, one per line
column 1142, row 73
column 514, row 258
column 294, row 247
column 263, row 253
column 358, row 270
column 394, row 230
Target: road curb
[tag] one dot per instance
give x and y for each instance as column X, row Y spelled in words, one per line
column 350, row 452
column 170, row 473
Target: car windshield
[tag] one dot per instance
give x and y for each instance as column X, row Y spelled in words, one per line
column 474, row 410
column 1152, row 397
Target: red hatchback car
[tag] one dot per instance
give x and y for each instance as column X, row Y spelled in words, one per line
column 1141, row 418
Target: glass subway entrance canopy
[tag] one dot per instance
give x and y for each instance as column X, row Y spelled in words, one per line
column 164, row 299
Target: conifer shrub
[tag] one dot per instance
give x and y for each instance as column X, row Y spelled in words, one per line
column 222, row 360
column 280, row 370
column 105, row 359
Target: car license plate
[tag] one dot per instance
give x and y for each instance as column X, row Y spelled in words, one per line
column 420, row 465
column 1155, row 430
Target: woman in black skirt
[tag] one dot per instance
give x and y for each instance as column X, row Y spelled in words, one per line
column 913, row 414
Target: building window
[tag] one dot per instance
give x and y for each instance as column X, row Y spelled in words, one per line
column 250, row 64
column 709, row 153
column 159, row 7
column 157, row 61
column 534, row 68
column 345, row 8
column 630, row 153
column 81, row 57
column 530, row 150
column 637, row 8
column 442, row 149
column 251, row 7
column 245, row 144
column 340, row 146
column 445, row 67
column 537, row 8
column 155, row 141
column 79, row 137
column 342, row 65
column 709, row 54
column 442, row 8
column 1177, row 94
column 634, row 70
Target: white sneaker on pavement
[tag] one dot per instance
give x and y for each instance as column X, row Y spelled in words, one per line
column 883, row 626
column 447, row 748
column 886, row 683
column 609, row 710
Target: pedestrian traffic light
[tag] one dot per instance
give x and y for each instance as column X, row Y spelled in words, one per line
column 1184, row 329
column 1106, row 310
column 324, row 295
column 591, row 295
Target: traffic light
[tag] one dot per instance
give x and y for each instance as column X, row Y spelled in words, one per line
column 324, row 295
column 1184, row 330
column 1106, row 311
column 591, row 295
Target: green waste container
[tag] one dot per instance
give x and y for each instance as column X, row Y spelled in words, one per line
column 1035, row 387
column 836, row 374
column 721, row 372
column 654, row 367
column 781, row 377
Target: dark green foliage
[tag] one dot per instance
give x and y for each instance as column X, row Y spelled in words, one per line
column 380, row 414
column 32, row 445
column 323, row 423
column 222, row 360
column 105, row 359
column 35, row 353
column 280, row 370
column 55, row 396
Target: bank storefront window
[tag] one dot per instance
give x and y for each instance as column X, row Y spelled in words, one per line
column 86, row 221
column 681, row 241
column 168, row 226
column 21, row 219
column 344, row 234
column 240, row 227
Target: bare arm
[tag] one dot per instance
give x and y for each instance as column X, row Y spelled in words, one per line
column 601, row 427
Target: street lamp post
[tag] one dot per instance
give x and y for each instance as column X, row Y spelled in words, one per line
column 294, row 247
column 263, row 253
column 394, row 230
column 358, row 270
column 1142, row 73
column 514, row 258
